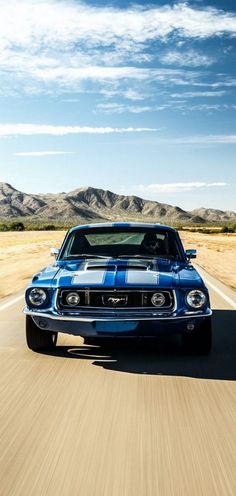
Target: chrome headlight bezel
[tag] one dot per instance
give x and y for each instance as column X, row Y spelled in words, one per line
column 37, row 297
column 200, row 299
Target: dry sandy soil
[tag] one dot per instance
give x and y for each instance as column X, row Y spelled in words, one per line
column 216, row 254
column 24, row 253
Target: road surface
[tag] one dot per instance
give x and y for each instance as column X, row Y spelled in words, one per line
column 128, row 421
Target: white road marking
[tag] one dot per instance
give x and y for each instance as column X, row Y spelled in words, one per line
column 220, row 293
column 10, row 303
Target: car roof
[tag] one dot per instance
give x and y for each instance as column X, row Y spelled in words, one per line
column 122, row 225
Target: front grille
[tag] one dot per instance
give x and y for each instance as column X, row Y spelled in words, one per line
column 112, row 299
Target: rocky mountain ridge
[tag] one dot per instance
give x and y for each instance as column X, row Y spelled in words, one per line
column 93, row 204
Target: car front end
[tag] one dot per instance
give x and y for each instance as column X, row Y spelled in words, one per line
column 119, row 294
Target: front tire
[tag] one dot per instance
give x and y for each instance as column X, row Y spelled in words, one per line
column 38, row 339
column 199, row 342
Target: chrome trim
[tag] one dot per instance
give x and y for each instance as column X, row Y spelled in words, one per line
column 196, row 308
column 104, row 309
column 114, row 301
column 155, row 316
column 54, row 252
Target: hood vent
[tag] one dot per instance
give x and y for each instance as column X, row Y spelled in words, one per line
column 117, row 267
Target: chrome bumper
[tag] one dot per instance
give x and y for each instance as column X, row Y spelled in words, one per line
column 55, row 315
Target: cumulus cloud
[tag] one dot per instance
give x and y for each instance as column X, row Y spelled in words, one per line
column 47, row 22
column 176, row 187
column 41, row 129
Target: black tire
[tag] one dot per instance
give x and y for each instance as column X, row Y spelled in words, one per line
column 38, row 339
column 199, row 342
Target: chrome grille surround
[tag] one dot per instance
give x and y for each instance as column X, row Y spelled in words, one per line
column 131, row 300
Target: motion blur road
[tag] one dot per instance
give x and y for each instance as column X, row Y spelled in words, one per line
column 118, row 421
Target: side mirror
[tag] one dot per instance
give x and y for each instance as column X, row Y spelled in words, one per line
column 191, row 254
column 54, row 252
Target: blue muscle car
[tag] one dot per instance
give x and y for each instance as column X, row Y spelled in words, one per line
column 119, row 280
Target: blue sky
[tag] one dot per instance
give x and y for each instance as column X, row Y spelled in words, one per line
column 135, row 97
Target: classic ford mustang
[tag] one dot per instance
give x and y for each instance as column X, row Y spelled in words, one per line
column 119, row 280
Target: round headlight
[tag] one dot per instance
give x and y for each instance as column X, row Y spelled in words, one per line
column 196, row 298
column 158, row 299
column 37, row 297
column 73, row 299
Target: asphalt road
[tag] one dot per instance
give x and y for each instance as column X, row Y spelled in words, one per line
column 146, row 421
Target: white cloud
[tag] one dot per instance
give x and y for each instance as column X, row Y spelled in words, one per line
column 72, row 77
column 64, row 43
column 224, row 80
column 53, row 130
column 119, row 108
column 176, row 187
column 41, row 154
column 32, row 77
column 41, row 129
column 208, row 139
column 198, row 94
column 209, row 108
column 189, row 58
column 200, row 139
column 97, row 73
column 47, row 22
column 132, row 94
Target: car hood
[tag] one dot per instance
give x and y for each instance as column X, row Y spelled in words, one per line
column 125, row 273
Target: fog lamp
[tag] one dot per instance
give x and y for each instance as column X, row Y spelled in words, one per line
column 158, row 299
column 73, row 299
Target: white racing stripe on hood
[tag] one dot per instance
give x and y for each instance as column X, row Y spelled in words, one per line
column 89, row 277
column 142, row 277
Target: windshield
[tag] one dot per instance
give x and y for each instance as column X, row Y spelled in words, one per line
column 117, row 242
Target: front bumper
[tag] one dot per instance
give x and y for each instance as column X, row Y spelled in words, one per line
column 118, row 324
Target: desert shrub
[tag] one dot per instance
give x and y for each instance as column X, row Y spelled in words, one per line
column 228, row 229
column 17, row 226
column 4, row 227
column 49, row 227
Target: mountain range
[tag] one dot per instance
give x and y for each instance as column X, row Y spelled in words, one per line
column 93, row 205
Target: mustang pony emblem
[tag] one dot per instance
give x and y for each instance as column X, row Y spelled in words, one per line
column 115, row 300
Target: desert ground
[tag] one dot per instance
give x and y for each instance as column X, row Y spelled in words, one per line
column 23, row 253
column 216, row 253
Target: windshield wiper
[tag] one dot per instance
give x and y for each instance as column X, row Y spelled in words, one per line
column 85, row 255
